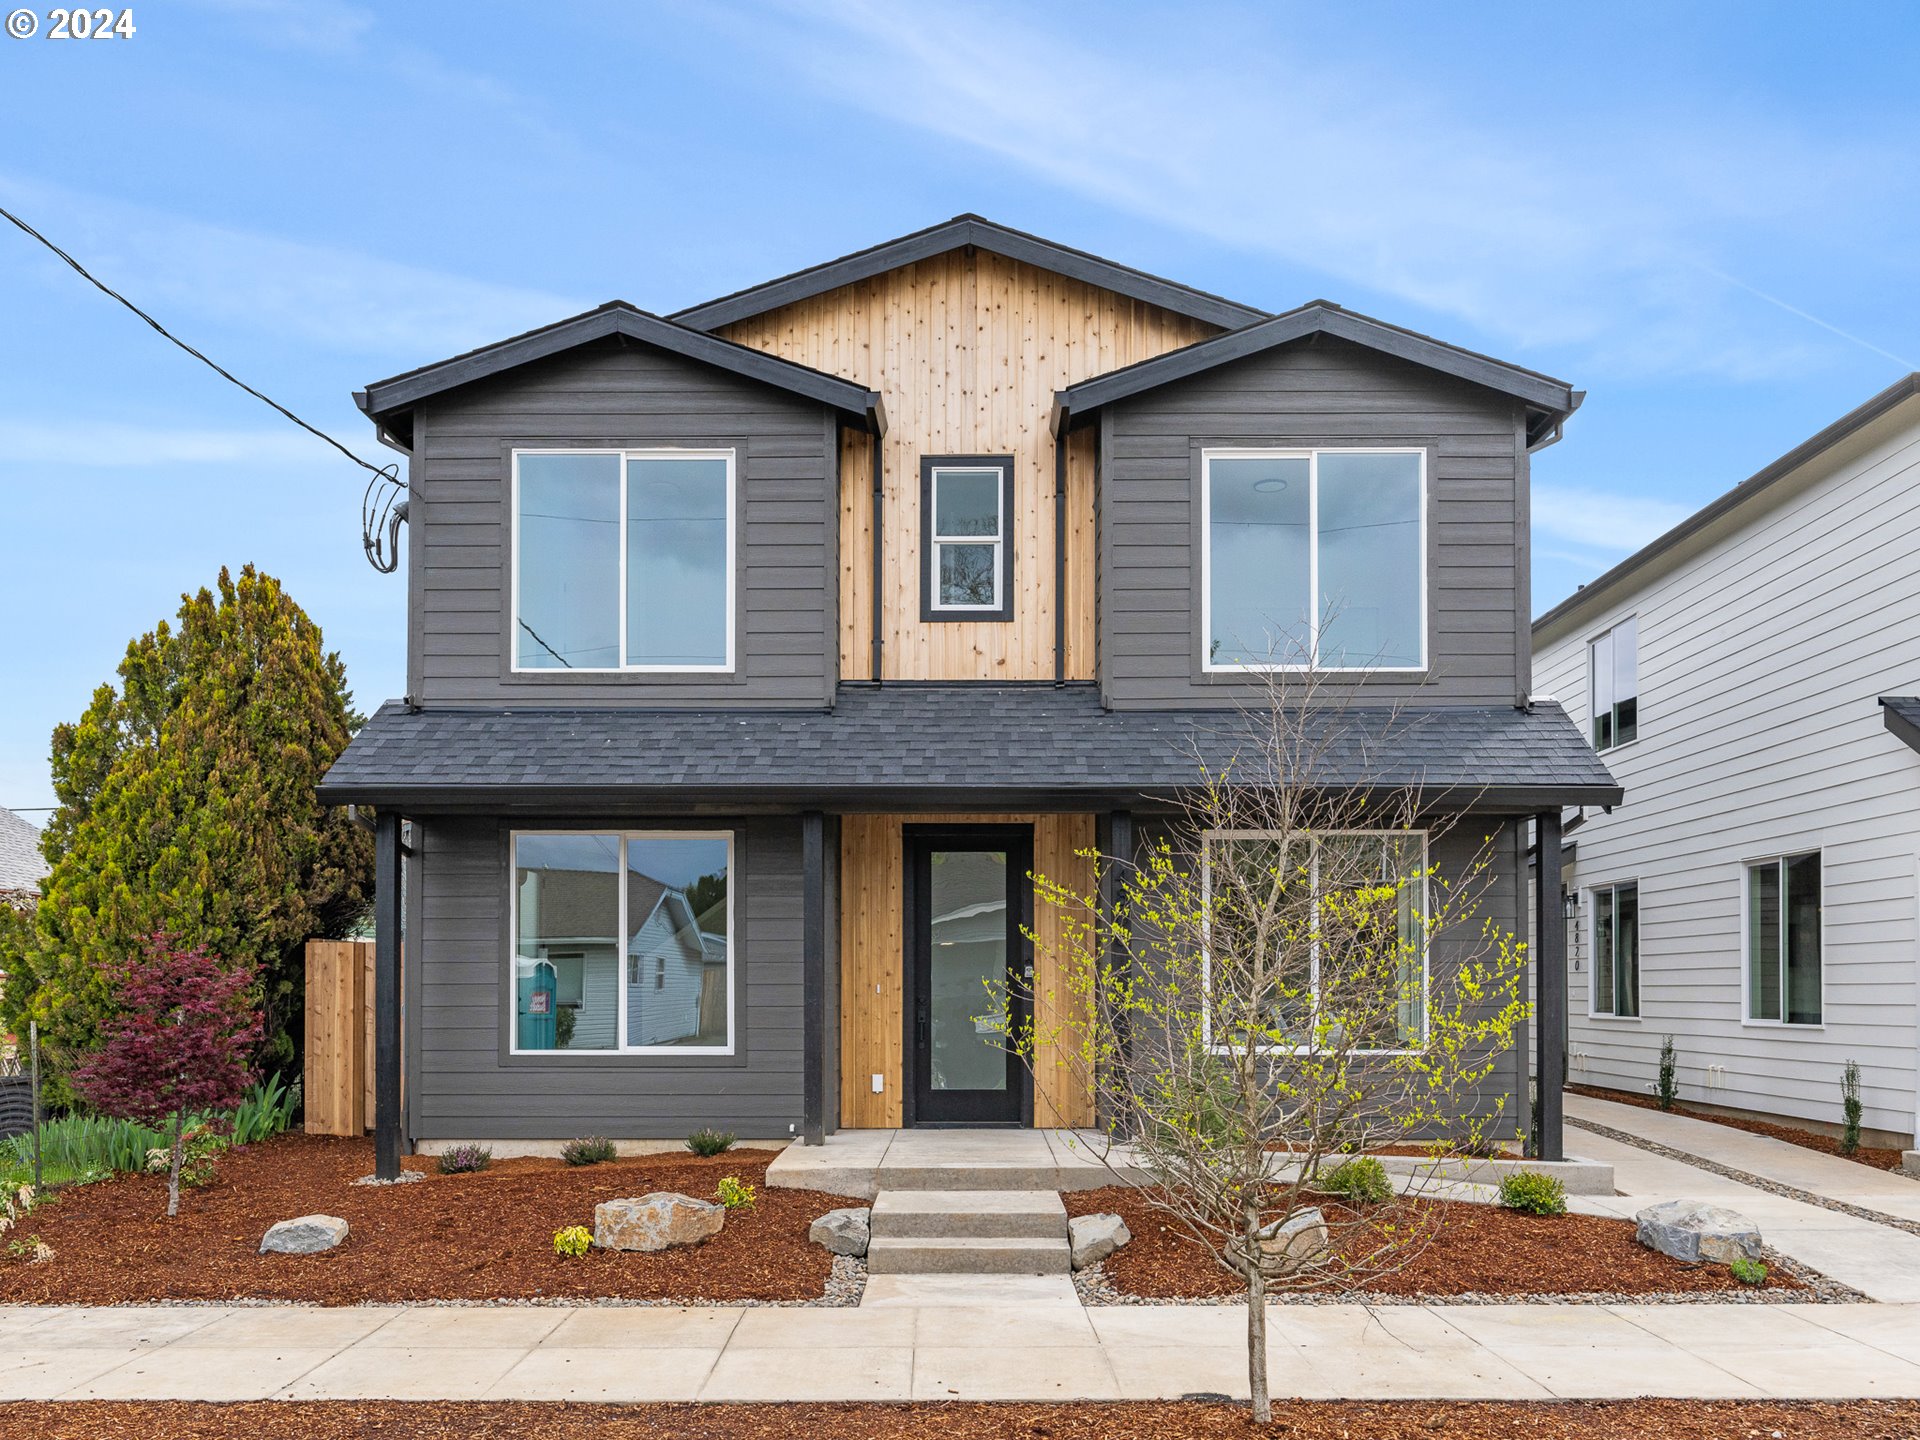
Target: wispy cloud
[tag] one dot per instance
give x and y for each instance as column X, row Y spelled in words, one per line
column 248, row 280
column 1599, row 523
column 1381, row 181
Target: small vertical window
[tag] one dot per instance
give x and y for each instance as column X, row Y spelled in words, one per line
column 1784, row 983
column 1613, row 676
column 1616, row 951
column 966, row 551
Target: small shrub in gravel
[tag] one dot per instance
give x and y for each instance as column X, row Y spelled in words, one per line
column 465, row 1160
column 711, row 1142
column 735, row 1193
column 1748, row 1272
column 590, row 1150
column 1362, row 1181
column 1668, row 1089
column 573, row 1241
column 1532, row 1193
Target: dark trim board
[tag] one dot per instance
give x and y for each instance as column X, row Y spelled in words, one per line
column 959, row 232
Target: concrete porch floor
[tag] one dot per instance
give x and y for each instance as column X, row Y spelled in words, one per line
column 865, row 1162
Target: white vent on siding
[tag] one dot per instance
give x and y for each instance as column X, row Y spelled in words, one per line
column 1579, row 1058
column 1716, row 1077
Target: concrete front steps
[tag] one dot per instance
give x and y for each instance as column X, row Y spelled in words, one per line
column 968, row 1232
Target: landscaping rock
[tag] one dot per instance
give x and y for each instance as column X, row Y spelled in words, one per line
column 660, row 1221
column 308, row 1235
column 1693, row 1231
column 1094, row 1237
column 1301, row 1242
column 844, row 1232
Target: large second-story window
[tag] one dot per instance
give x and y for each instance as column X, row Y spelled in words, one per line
column 966, row 535
column 1613, row 674
column 623, row 560
column 1314, row 558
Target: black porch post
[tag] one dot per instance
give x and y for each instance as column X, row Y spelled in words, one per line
column 386, row 995
column 813, row 976
column 1550, row 969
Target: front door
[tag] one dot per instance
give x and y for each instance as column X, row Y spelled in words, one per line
column 968, row 895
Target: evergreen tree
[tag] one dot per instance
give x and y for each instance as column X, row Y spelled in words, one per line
column 187, row 807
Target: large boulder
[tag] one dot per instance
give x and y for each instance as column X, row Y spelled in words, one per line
column 844, row 1232
column 1693, row 1231
column 659, row 1221
column 1300, row 1243
column 1094, row 1237
column 308, row 1235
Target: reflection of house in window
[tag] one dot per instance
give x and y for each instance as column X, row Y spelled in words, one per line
column 676, row 969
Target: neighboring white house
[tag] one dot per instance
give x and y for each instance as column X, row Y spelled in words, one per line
column 1755, row 896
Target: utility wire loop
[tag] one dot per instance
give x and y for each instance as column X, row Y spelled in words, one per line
column 382, row 511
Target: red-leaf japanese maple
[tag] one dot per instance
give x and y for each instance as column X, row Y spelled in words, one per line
column 181, row 1040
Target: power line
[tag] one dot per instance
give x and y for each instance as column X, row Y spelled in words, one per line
column 379, row 516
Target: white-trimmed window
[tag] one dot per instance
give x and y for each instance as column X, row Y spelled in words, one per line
column 966, row 549
column 1616, row 951
column 620, row 942
column 1785, row 981
column 1269, row 864
column 623, row 560
column 1314, row 559
column 1613, row 683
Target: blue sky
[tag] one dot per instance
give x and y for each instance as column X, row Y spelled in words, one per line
column 1702, row 214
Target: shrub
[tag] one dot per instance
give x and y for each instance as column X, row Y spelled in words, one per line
column 735, row 1193
column 1532, row 1193
column 588, row 1150
column 711, row 1142
column 264, row 1111
column 1748, row 1272
column 1850, row 1108
column 1669, row 1086
column 1362, row 1180
column 465, row 1159
column 572, row 1241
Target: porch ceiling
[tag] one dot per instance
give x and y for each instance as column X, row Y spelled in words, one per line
column 921, row 746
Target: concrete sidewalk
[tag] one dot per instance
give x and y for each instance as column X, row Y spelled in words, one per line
column 1020, row 1343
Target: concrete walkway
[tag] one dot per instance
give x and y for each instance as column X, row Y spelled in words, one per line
column 1011, row 1341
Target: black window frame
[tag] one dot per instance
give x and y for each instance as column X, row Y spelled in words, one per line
column 1003, row 612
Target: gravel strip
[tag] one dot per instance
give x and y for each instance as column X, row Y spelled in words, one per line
column 1094, row 1288
column 1747, row 1177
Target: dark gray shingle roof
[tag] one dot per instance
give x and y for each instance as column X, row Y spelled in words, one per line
column 925, row 744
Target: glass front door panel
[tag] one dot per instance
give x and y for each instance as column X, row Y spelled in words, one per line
column 967, row 918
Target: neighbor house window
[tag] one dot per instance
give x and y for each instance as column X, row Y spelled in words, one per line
column 1322, row 982
column 1613, row 676
column 1783, row 941
column 623, row 560
column 1616, row 951
column 620, row 942
column 1314, row 558
column 966, row 535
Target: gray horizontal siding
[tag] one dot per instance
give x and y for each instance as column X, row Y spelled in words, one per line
column 462, row 1084
column 1329, row 393
column 460, row 629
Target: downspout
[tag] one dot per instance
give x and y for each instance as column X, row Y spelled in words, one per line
column 1060, row 555
column 879, row 558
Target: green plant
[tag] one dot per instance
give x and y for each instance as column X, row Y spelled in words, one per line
column 77, row 1148
column 32, row 1248
column 1532, row 1193
column 465, row 1159
column 1363, row 1181
column 564, row 1021
column 1669, row 1087
column 266, row 1111
column 200, row 1143
column 1850, row 1108
column 711, row 1142
column 1748, row 1272
column 590, row 1150
column 573, row 1241
column 735, row 1193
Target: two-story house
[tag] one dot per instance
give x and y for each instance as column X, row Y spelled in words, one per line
column 759, row 654
column 1752, row 676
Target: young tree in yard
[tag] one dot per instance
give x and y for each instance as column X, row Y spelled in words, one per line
column 1283, row 980
column 187, row 805
column 180, row 1041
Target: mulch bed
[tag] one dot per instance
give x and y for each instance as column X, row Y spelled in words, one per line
column 960, row 1420
column 1878, row 1157
column 483, row 1236
column 1464, row 1249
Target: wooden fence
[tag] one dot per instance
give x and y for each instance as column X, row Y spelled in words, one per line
column 339, row 1063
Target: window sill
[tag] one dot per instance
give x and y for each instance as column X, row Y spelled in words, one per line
column 1797, row 1026
column 1618, row 1019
